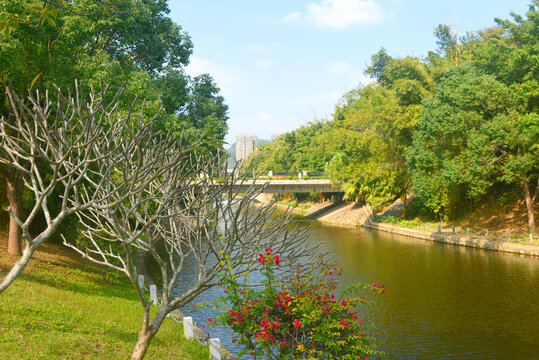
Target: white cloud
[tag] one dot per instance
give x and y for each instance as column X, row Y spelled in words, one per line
column 227, row 78
column 264, row 116
column 329, row 97
column 352, row 77
column 358, row 77
column 293, row 16
column 261, row 123
column 264, row 63
column 339, row 13
column 339, row 67
column 257, row 48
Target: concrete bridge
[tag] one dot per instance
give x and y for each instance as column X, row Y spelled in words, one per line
column 290, row 186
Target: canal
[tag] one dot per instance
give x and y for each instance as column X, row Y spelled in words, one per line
column 442, row 301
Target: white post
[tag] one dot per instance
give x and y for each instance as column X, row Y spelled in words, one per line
column 153, row 294
column 531, row 237
column 215, row 349
column 188, row 327
column 141, row 281
column 300, row 176
column 270, row 173
column 439, row 228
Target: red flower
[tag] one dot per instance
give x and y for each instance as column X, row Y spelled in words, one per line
column 297, row 323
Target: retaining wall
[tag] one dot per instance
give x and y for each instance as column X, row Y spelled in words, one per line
column 456, row 239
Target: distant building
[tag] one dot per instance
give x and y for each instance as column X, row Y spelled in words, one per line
column 276, row 135
column 245, row 144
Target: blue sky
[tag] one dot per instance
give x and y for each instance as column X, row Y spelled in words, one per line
column 280, row 64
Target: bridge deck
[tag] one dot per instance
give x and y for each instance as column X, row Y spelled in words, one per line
column 291, row 186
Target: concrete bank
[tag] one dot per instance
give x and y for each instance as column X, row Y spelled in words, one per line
column 314, row 211
column 347, row 214
column 455, row 239
column 467, row 240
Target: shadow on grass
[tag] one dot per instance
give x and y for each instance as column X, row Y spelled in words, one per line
column 57, row 266
column 111, row 291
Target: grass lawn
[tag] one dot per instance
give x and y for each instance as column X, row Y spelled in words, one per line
column 293, row 204
column 61, row 308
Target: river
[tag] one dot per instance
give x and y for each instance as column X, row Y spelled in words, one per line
column 442, row 301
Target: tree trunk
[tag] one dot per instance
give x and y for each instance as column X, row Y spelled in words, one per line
column 147, row 333
column 403, row 199
column 14, row 186
column 144, row 338
column 529, row 205
column 17, row 268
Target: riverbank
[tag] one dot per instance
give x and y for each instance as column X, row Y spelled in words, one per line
column 353, row 214
column 64, row 307
column 457, row 239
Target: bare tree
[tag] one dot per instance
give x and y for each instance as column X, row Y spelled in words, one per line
column 136, row 190
column 70, row 146
column 185, row 217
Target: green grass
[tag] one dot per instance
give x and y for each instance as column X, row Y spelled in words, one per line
column 400, row 222
column 61, row 308
column 293, row 204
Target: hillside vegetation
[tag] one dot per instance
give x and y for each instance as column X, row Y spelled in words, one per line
column 450, row 127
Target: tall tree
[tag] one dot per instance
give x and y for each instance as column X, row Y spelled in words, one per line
column 131, row 42
column 379, row 62
column 377, row 127
column 473, row 133
column 70, row 144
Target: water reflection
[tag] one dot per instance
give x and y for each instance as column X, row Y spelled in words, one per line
column 442, row 301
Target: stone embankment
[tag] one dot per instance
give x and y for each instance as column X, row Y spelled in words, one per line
column 456, row 239
column 450, row 238
column 353, row 214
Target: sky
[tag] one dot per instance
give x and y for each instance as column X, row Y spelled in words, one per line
column 282, row 64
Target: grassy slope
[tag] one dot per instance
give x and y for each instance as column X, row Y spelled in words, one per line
column 498, row 212
column 61, row 308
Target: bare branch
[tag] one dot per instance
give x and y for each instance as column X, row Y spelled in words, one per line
column 71, row 146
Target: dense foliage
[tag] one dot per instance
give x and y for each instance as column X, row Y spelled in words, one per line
column 446, row 127
column 135, row 43
column 129, row 42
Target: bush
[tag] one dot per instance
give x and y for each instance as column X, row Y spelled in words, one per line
column 295, row 315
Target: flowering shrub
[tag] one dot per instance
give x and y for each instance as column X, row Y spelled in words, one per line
column 295, row 314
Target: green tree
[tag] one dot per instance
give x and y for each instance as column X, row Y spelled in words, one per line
column 473, row 133
column 377, row 129
column 131, row 42
column 511, row 142
column 378, row 65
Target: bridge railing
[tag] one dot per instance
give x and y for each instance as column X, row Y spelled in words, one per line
column 279, row 175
